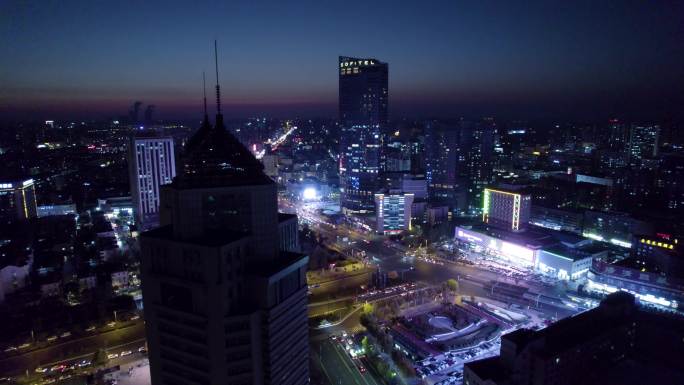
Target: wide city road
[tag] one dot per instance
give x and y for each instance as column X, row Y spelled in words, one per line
column 391, row 256
column 69, row 350
column 337, row 367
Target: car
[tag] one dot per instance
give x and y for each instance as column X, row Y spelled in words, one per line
column 142, row 349
column 135, row 318
column 41, row 370
column 10, row 349
column 24, row 345
column 125, row 353
column 65, row 335
column 51, row 338
column 84, row 363
column 90, row 328
column 112, row 355
column 111, row 324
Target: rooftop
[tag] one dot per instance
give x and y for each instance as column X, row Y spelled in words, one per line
column 567, row 252
column 283, row 217
column 214, row 157
column 166, row 233
column 572, row 331
column 279, row 265
column 489, row 369
column 530, row 237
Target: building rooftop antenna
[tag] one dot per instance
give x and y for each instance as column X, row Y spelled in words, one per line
column 204, row 89
column 218, row 88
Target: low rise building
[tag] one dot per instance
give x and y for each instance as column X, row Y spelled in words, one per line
column 556, row 219
column 54, row 210
column 517, row 248
column 87, row 282
column 120, row 279
column 614, row 227
column 662, row 252
column 437, row 214
column 628, row 275
column 564, row 263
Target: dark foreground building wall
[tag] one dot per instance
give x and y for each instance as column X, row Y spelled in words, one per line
column 224, row 302
column 615, row 343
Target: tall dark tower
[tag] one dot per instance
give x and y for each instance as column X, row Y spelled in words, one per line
column 224, row 287
column 363, row 116
column 149, row 112
column 134, row 112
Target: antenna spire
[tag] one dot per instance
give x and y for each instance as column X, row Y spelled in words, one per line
column 218, row 88
column 204, row 89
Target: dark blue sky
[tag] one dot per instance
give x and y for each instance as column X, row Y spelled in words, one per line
column 447, row 58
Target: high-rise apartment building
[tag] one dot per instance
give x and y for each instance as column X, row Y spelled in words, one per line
column 363, row 92
column 644, row 141
column 18, row 200
column 459, row 164
column 618, row 135
column 477, row 144
column 151, row 163
column 223, row 286
column 442, row 172
column 671, row 179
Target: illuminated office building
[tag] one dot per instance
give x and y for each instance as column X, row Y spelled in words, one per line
column 363, row 115
column 18, row 200
column 393, row 212
column 506, row 209
column 151, row 163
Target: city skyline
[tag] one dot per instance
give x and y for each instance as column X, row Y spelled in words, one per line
column 398, row 193
column 449, row 60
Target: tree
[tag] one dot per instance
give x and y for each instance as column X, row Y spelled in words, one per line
column 403, row 363
column 100, row 357
column 363, row 320
column 365, row 344
column 386, row 341
column 367, row 308
column 452, row 284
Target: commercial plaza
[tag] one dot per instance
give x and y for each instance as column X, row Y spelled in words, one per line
column 566, row 258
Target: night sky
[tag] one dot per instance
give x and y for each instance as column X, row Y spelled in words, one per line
column 560, row 59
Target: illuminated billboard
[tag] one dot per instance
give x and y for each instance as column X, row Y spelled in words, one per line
column 506, row 250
